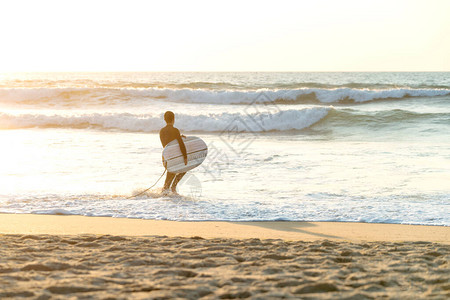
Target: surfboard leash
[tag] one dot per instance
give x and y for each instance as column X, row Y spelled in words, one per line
column 149, row 187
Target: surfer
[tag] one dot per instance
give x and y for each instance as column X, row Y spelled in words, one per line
column 168, row 134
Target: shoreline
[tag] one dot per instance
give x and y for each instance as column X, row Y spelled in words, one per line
column 285, row 230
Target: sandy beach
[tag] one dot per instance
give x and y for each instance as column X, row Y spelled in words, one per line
column 46, row 257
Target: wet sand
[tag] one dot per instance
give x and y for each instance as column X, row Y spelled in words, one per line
column 75, row 258
column 304, row 231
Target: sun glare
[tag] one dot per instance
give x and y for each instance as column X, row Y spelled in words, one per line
column 225, row 36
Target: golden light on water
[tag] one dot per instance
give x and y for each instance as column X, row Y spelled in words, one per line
column 18, row 161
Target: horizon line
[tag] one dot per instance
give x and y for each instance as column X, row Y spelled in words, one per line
column 431, row 71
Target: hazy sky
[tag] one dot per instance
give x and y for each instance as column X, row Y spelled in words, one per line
column 313, row 35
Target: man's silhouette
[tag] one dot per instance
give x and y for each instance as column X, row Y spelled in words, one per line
column 168, row 134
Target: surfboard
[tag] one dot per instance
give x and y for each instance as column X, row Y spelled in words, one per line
column 196, row 152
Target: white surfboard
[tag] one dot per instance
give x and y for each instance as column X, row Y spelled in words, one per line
column 196, row 152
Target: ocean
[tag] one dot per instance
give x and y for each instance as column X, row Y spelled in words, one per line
column 347, row 147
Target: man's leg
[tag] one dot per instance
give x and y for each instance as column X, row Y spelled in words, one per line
column 175, row 182
column 169, row 179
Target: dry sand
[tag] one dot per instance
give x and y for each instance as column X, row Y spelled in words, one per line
column 59, row 257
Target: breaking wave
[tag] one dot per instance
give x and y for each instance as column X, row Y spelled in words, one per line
column 105, row 96
column 238, row 122
column 275, row 120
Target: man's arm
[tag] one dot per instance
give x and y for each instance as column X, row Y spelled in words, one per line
column 182, row 147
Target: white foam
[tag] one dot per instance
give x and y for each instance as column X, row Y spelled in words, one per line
column 241, row 122
column 182, row 208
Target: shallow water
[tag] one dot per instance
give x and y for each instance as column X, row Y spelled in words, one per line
column 370, row 147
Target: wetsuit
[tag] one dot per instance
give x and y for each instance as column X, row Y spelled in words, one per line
column 168, row 134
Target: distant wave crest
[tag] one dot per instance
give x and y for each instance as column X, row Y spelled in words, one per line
column 291, row 96
column 85, row 96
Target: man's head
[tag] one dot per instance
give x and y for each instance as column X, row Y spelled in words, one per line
column 169, row 117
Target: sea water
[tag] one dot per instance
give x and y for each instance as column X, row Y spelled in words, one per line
column 353, row 147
